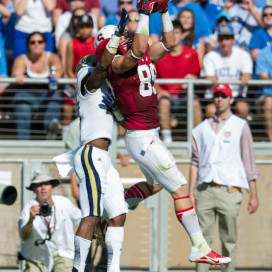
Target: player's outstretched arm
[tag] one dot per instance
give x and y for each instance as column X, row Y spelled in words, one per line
column 124, row 63
column 99, row 73
column 158, row 49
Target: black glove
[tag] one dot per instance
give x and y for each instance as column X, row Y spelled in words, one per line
column 146, row 6
column 123, row 21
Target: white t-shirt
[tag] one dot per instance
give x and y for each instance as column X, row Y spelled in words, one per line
column 35, row 18
column 232, row 67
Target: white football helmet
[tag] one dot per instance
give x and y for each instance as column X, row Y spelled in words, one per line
column 84, row 67
column 104, row 33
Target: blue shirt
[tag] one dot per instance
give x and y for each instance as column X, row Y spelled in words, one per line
column 211, row 9
column 112, row 20
column 202, row 28
column 111, row 8
column 3, row 60
column 262, row 3
column 264, row 65
column 260, row 39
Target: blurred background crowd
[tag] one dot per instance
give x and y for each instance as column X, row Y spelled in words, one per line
column 215, row 40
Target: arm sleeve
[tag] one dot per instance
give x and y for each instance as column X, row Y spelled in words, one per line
column 247, row 64
column 247, row 153
column 208, row 65
column 90, row 4
column 255, row 42
column 195, row 64
column 195, row 155
column 261, row 66
column 74, row 212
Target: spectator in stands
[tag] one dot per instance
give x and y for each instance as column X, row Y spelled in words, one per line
column 202, row 28
column 78, row 47
column 228, row 62
column 65, row 18
column 187, row 20
column 246, row 19
column 62, row 6
column 33, row 98
column 33, row 15
column 181, row 62
column 46, row 227
column 262, row 37
column 10, row 32
column 4, row 20
column 114, row 19
column 69, row 34
column 81, row 45
column 109, row 8
column 212, row 41
column 211, row 10
column 264, row 71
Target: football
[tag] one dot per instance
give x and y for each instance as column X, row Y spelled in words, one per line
column 157, row 6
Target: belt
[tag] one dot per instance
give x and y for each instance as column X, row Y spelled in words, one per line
column 230, row 189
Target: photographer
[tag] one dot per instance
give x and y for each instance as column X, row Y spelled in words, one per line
column 46, row 227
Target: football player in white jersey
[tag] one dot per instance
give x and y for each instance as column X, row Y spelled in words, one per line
column 92, row 163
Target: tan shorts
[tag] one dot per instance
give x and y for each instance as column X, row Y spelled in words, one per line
column 60, row 265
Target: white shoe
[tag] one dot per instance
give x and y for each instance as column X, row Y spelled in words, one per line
column 212, row 257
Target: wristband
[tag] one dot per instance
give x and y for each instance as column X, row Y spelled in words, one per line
column 134, row 56
column 118, row 115
column 253, row 10
column 167, row 50
column 167, row 25
column 113, row 44
column 143, row 25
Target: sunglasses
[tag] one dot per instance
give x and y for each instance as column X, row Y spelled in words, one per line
column 136, row 19
column 222, row 38
column 125, row 2
column 267, row 14
column 39, row 42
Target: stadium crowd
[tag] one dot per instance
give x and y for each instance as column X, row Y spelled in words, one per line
column 216, row 40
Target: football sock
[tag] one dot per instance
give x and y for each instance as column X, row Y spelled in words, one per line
column 82, row 247
column 189, row 220
column 135, row 194
column 167, row 135
column 114, row 242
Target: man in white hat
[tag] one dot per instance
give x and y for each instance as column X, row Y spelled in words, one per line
column 46, row 227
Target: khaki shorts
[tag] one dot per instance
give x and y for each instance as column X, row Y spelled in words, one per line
column 60, row 265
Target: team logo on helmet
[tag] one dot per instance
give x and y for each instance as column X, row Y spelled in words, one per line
column 103, row 34
column 86, row 61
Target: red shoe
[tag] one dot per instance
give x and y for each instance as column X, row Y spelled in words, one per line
column 212, row 258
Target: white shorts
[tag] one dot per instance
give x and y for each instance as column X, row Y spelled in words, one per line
column 114, row 199
column 97, row 178
column 156, row 162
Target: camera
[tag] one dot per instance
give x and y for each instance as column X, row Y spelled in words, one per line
column 45, row 209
